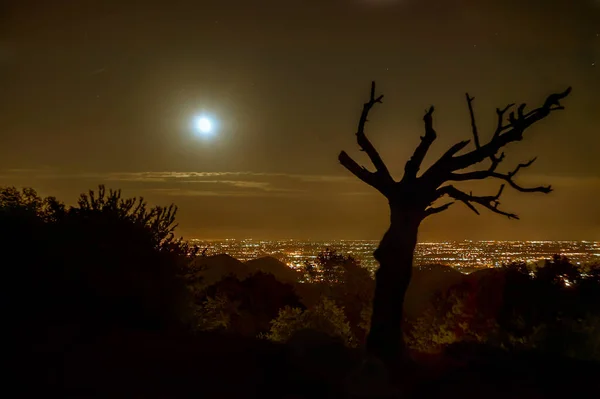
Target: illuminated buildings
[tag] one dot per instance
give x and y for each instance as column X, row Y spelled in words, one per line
column 465, row 256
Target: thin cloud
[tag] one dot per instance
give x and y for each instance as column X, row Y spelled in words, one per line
column 179, row 192
column 140, row 176
column 248, row 184
column 166, row 176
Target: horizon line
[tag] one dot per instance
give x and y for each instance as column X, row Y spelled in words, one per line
column 377, row 240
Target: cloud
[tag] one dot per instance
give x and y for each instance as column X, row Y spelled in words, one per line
column 202, row 176
column 181, row 192
column 165, row 176
column 193, row 183
column 243, row 183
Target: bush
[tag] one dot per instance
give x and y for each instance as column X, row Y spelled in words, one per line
column 107, row 260
column 244, row 307
column 343, row 280
column 326, row 318
column 553, row 309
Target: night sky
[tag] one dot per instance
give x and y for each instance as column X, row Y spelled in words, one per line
column 105, row 92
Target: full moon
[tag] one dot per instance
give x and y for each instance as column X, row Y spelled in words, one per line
column 204, row 125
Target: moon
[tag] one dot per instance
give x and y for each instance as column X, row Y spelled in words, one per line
column 204, row 124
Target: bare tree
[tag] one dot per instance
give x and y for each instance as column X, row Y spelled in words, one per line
column 411, row 200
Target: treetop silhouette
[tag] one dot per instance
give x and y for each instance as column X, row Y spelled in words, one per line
column 411, row 201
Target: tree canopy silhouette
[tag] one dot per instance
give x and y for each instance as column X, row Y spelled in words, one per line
column 107, row 260
column 412, row 198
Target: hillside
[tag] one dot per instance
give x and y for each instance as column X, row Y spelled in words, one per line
column 213, row 268
column 426, row 282
column 269, row 264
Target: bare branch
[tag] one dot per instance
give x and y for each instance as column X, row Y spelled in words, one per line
column 473, row 123
column 500, row 112
column 432, row 210
column 507, row 177
column 499, row 128
column 437, row 168
column 502, row 136
column 363, row 141
column 496, row 161
column 522, row 165
column 359, row 171
column 489, row 202
column 493, row 158
column 414, row 163
column 454, row 149
column 381, row 177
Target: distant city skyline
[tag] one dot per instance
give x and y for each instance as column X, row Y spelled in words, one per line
column 465, row 256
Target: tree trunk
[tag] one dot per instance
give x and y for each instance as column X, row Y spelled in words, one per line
column 395, row 257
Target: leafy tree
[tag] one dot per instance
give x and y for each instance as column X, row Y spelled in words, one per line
column 342, row 279
column 328, row 267
column 412, row 198
column 216, row 313
column 451, row 319
column 27, row 202
column 326, row 318
column 560, row 271
column 247, row 306
column 514, row 308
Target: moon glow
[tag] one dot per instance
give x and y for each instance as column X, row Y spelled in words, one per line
column 204, row 125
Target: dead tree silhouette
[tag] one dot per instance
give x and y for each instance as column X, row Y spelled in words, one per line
column 411, row 201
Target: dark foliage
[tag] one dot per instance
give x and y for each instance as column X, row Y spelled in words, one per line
column 113, row 266
column 106, row 261
column 257, row 300
column 553, row 309
column 343, row 279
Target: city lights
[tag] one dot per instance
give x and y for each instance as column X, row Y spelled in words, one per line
column 464, row 256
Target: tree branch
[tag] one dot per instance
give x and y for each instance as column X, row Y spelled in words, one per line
column 499, row 128
column 359, row 171
column 502, row 136
column 361, row 137
column 507, row 177
column 473, row 123
column 489, row 202
column 381, row 176
column 432, row 210
column 500, row 112
column 454, row 149
column 414, row 163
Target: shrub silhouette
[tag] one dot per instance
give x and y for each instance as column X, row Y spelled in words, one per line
column 247, row 306
column 515, row 308
column 325, row 318
column 107, row 261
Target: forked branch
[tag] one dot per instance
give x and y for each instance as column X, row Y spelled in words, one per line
column 490, row 202
column 500, row 112
column 507, row 177
column 361, row 137
column 381, row 177
column 503, row 135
